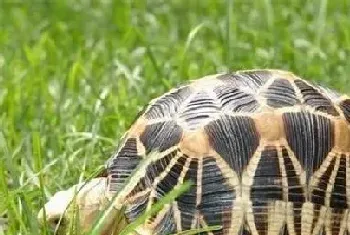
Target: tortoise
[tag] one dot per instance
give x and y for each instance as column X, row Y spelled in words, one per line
column 267, row 151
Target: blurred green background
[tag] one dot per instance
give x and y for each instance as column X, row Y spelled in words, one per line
column 74, row 74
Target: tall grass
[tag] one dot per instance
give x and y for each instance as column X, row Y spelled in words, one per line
column 74, row 74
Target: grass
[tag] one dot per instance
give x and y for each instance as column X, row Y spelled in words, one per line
column 74, row 74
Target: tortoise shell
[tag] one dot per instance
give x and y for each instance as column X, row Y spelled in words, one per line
column 268, row 153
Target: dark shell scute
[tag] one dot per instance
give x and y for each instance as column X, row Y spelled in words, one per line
column 187, row 201
column 234, row 100
column 315, row 99
column 345, row 107
column 201, row 107
column 121, row 166
column 153, row 170
column 267, row 184
column 338, row 197
column 310, row 136
column 161, row 136
column 217, row 196
column 295, row 188
column 235, row 138
column 251, row 80
column 280, row 94
column 171, row 179
column 318, row 195
column 168, row 104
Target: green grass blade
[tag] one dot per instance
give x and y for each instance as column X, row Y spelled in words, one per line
column 38, row 166
column 167, row 199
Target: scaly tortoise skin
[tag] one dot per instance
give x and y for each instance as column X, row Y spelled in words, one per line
column 268, row 153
